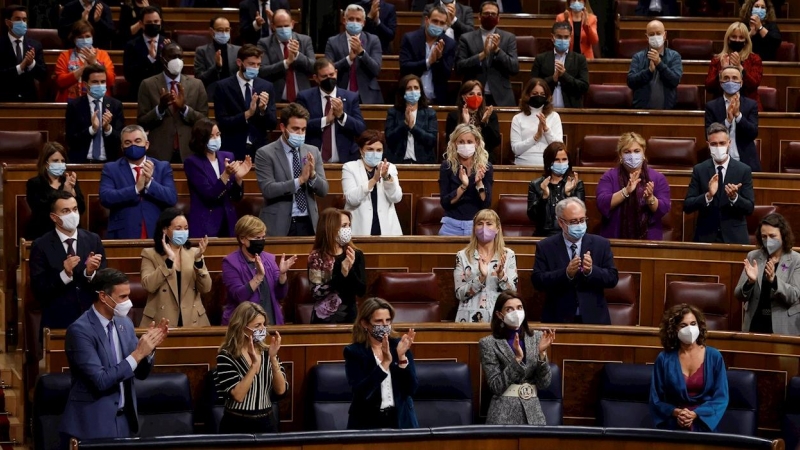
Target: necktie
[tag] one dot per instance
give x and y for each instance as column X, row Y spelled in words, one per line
column 97, row 140
column 300, row 195
column 19, row 50
column 720, row 185
column 248, row 95
column 574, row 248
column 113, row 347
column 70, row 248
column 143, row 233
column 353, row 87
column 290, row 89
column 327, row 134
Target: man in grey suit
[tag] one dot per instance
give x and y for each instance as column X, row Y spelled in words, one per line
column 460, row 18
column 357, row 57
column 288, row 59
column 489, row 55
column 217, row 60
column 169, row 106
column 290, row 176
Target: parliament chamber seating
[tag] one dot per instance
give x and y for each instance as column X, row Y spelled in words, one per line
column 526, row 46
column 164, row 403
column 513, row 213
column 689, row 98
column 304, row 301
column 671, row 153
column 710, row 298
column 49, row 399
column 754, row 220
column 17, row 147
column 624, row 394
column 429, row 213
column 414, row 296
column 790, row 158
column 769, row 98
column 702, row 49
column 598, row 151
column 552, row 398
column 121, row 88
column 623, row 301
column 741, row 415
column 608, row 96
column 790, row 422
column 190, row 40
column 48, row 37
column 138, row 297
column 329, row 397
column 625, row 7
column 213, row 404
column 626, row 48
column 787, row 52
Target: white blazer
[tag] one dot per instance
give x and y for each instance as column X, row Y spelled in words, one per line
column 359, row 201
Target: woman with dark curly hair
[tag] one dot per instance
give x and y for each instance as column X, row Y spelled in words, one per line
column 689, row 389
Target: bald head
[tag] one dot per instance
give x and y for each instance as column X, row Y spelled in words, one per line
column 655, row 26
column 656, row 35
column 283, row 14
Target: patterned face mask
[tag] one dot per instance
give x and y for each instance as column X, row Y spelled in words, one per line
column 379, row 331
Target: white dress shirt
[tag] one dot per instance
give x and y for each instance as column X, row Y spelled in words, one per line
column 93, row 112
column 21, row 40
column 324, row 123
column 558, row 98
column 733, row 151
column 130, row 360
column 387, row 394
column 410, row 152
column 427, row 76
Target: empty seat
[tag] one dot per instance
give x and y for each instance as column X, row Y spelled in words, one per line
column 790, row 158
column 552, row 398
column 330, row 397
column 741, row 415
column 444, row 394
column 526, row 46
column 623, row 301
column 688, row 98
column 414, row 296
column 429, row 213
column 626, row 48
column 249, row 204
column 702, row 49
column 49, row 399
column 598, row 151
column 165, row 405
column 190, row 40
column 671, row 153
column 300, row 292
column 625, row 396
column 787, row 52
column 98, row 216
column 400, row 5
column 19, row 147
column 139, row 298
column 625, row 7
column 790, row 425
column 769, row 98
column 48, row 37
column 710, row 298
column 121, row 87
column 612, row 96
column 513, row 212
column 213, row 405
column 754, row 220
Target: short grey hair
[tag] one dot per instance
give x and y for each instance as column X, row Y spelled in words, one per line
column 729, row 68
column 715, row 128
column 438, row 8
column 354, row 7
column 562, row 205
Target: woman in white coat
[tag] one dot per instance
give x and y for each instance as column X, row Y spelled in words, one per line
column 371, row 189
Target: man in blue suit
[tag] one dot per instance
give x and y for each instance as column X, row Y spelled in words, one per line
column 136, row 188
column 429, row 54
column 573, row 268
column 104, row 356
column 381, row 21
column 739, row 114
column 93, row 121
column 244, row 106
column 336, row 120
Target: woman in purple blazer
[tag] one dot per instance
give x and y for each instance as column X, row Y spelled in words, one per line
column 215, row 182
column 632, row 197
column 251, row 275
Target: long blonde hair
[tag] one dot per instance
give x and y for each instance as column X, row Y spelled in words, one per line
column 235, row 338
column 480, row 158
column 499, row 244
column 748, row 44
column 365, row 312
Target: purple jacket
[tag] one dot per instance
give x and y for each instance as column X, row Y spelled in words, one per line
column 236, row 276
column 211, row 202
column 609, row 184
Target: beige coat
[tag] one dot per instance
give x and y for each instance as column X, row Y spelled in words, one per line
column 162, row 285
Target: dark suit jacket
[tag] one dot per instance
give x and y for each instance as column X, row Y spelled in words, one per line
column 387, row 27
column 247, row 14
column 583, row 291
column 211, row 201
column 136, row 65
column 465, row 22
column 574, row 81
column 229, row 109
column 668, row 8
column 729, row 220
column 497, row 69
column 62, row 303
column 425, row 132
column 93, row 401
column 345, row 135
column 413, row 60
column 365, row 377
column 272, row 68
column 746, row 128
column 128, row 207
column 205, row 63
column 37, row 195
column 78, row 121
column 103, row 28
column 368, row 65
column 20, row 87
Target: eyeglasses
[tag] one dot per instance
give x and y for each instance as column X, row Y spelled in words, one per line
column 574, row 221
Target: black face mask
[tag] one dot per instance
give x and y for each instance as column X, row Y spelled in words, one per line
column 537, row 101
column 736, row 46
column 328, row 84
column 152, row 29
column 256, row 246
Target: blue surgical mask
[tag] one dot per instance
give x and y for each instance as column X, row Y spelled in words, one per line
column 19, row 28
column 576, row 6
column 760, row 12
column 134, row 152
column 372, row 159
column 83, row 43
column 214, row 144
column 435, row 30
column 284, row 33
column 559, row 168
column 561, row 45
column 221, row 37
column 97, row 91
column 412, row 97
column 632, row 160
column 354, row 28
column 773, row 245
column 56, row 169
column 179, row 237
column 731, row 87
column 576, row 231
column 296, row 140
column 250, row 73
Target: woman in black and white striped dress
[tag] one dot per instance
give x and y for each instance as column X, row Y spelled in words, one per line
column 245, row 375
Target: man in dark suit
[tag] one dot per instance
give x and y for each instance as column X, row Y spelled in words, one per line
column 244, row 106
column 336, row 120
column 489, row 55
column 721, row 191
column 288, row 58
column 573, row 268
column 63, row 261
column 667, row 8
column 21, row 58
column 93, row 121
column 739, row 114
column 460, row 18
column 429, row 54
column 135, row 188
column 217, row 60
column 565, row 72
column 104, row 357
column 255, row 18
column 381, row 21
column 142, row 56
column 357, row 57
column 96, row 12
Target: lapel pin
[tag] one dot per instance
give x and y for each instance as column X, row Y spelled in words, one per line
column 784, row 267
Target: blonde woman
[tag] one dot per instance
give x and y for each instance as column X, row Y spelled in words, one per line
column 465, row 181
column 483, row 270
column 246, row 376
column 584, row 27
column 737, row 51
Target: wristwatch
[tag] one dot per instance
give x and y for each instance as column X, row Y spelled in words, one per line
column 761, row 28
column 481, row 190
column 652, row 201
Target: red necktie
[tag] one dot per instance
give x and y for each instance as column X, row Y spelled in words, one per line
column 353, row 77
column 143, row 234
column 327, row 134
column 290, row 89
column 176, row 143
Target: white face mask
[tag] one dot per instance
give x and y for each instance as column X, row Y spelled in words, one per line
column 345, row 234
column 514, row 319
column 120, row 309
column 719, row 154
column 70, row 221
column 689, row 334
column 656, row 41
column 466, row 150
column 175, row 66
